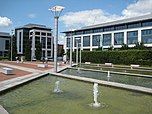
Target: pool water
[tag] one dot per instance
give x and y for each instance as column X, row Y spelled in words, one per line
column 37, row 97
column 125, row 79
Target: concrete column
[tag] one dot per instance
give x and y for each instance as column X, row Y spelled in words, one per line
column 125, row 37
column 139, row 35
column 112, row 39
column 90, row 42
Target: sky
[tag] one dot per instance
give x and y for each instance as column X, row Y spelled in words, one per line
column 76, row 14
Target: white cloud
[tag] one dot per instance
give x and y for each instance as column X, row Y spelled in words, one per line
column 88, row 17
column 141, row 7
column 5, row 22
column 32, row 15
column 75, row 20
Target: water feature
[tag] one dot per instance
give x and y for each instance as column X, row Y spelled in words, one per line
column 95, row 96
column 57, row 87
column 120, row 78
column 108, row 76
column 36, row 98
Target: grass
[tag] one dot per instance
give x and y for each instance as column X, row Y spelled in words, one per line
column 37, row 98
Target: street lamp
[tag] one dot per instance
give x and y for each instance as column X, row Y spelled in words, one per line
column 71, row 39
column 56, row 10
column 12, row 31
column 80, row 52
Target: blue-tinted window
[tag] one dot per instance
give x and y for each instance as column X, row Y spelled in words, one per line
column 78, row 32
column 87, row 31
column 7, row 44
column 106, row 39
column 68, row 42
column 86, row 41
column 134, row 25
column 96, row 30
column 120, row 27
column 147, row 23
column 77, row 39
column 146, row 36
column 20, row 33
column 132, row 37
column 96, row 40
column 108, row 29
column 118, row 38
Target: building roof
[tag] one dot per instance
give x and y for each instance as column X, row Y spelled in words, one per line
column 34, row 26
column 122, row 21
column 5, row 35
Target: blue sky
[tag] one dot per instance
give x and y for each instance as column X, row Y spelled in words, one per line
column 77, row 13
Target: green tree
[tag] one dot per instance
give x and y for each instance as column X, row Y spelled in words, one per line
column 38, row 51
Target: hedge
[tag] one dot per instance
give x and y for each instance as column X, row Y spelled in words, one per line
column 126, row 57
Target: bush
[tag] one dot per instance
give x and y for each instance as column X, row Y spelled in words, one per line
column 127, row 57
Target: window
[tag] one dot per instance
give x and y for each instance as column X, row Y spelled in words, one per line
column 49, row 43
column 134, row 25
column 118, row 38
column 43, row 53
column 43, row 34
column 77, row 39
column 49, row 34
column 108, row 29
column 68, row 42
column 37, row 40
column 106, row 39
column 37, row 33
column 6, row 44
column 87, row 31
column 120, row 27
column 147, row 23
column 43, row 42
column 132, row 37
column 49, row 53
column 78, row 32
column 86, row 41
column 146, row 36
column 96, row 40
column 97, row 30
column 20, row 33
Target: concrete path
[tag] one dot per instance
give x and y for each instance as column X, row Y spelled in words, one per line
column 2, row 110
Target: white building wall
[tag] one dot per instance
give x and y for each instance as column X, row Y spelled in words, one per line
column 112, row 39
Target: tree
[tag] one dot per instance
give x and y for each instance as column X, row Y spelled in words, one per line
column 38, row 51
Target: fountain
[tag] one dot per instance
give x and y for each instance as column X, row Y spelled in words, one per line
column 57, row 87
column 78, row 71
column 108, row 76
column 95, row 96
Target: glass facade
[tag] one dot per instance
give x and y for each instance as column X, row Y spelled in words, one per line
column 96, row 40
column 132, row 37
column 106, row 39
column 118, row 38
column 49, row 34
column 49, row 43
column 6, row 44
column 68, row 42
column 146, row 36
column 115, row 27
column 86, row 41
column 43, row 42
column 20, row 42
column 77, row 39
column 43, row 34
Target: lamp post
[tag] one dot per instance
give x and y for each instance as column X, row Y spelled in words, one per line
column 12, row 32
column 71, row 49
column 56, row 10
